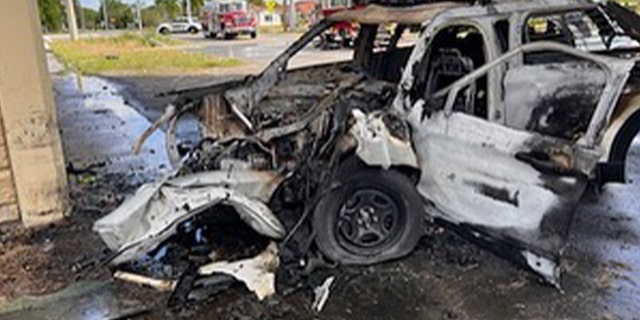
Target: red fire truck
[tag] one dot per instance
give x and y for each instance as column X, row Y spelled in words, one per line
column 227, row 19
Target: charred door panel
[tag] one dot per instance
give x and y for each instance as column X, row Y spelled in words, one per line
column 472, row 172
column 518, row 183
column 477, row 174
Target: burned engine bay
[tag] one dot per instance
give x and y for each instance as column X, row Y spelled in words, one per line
column 298, row 121
column 252, row 179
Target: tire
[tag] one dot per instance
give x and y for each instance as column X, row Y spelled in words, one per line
column 254, row 35
column 375, row 215
column 620, row 147
column 164, row 31
column 192, row 30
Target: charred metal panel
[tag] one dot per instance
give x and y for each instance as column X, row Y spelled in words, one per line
column 152, row 215
column 246, row 97
column 376, row 14
column 472, row 175
column 511, row 183
column 376, row 146
column 218, row 119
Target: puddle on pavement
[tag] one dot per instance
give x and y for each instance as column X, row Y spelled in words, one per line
column 99, row 128
column 85, row 300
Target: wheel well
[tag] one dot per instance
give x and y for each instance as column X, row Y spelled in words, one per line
column 353, row 162
column 614, row 169
column 411, row 172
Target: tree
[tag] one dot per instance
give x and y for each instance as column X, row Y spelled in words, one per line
column 257, row 3
column 92, row 18
column 169, row 8
column 152, row 16
column 120, row 14
column 51, row 15
column 196, row 6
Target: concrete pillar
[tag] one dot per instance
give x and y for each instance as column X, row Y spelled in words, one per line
column 32, row 173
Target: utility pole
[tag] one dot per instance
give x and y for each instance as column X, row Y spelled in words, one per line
column 189, row 9
column 83, row 23
column 105, row 14
column 139, row 12
column 71, row 20
column 292, row 15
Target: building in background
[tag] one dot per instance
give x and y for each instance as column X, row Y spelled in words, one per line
column 307, row 11
column 268, row 18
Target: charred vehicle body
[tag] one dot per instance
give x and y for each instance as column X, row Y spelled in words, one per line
column 493, row 124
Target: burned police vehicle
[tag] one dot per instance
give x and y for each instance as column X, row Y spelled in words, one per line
column 493, row 122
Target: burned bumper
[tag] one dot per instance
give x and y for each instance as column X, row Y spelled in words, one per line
column 152, row 215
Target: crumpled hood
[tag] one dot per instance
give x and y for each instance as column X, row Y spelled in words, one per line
column 152, row 214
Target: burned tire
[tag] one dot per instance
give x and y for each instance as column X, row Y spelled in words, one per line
column 375, row 215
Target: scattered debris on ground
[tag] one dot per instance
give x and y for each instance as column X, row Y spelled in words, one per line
column 322, row 294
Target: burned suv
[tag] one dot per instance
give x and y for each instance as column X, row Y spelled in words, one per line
column 493, row 122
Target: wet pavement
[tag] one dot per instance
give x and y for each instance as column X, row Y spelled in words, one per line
column 51, row 273
column 445, row 278
column 87, row 300
column 99, row 128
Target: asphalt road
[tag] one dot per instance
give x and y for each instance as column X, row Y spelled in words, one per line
column 260, row 51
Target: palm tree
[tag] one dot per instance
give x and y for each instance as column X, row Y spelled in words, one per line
column 169, row 8
column 196, row 5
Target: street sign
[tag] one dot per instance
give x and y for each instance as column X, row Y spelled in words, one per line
column 271, row 5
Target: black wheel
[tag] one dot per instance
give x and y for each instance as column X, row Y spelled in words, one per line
column 164, row 31
column 254, row 35
column 192, row 30
column 620, row 149
column 375, row 215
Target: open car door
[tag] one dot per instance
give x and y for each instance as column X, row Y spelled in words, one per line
column 511, row 184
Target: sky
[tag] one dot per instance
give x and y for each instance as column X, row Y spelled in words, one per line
column 95, row 4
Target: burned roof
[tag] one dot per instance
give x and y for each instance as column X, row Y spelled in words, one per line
column 376, row 14
column 423, row 13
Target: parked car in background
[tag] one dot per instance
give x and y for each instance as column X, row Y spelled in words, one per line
column 180, row 25
column 227, row 19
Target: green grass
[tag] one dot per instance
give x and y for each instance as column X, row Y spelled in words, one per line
column 134, row 53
